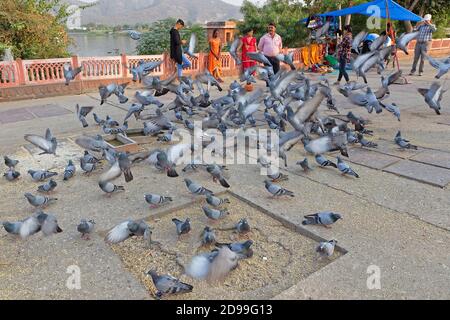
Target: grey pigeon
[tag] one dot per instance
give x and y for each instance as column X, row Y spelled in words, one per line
column 146, row 98
column 167, row 284
column 287, row 58
column 41, row 175
column 259, row 57
column 324, row 162
column 24, row 228
column 70, row 73
column 215, row 214
column 86, row 228
column 195, row 188
column 433, row 96
column 182, row 227
column 38, row 200
column 166, row 165
column 366, row 143
column 276, row 175
column 10, row 163
column 357, row 40
column 392, row 108
column 345, row 168
column 48, row 187
column 69, row 171
column 404, row 39
column 208, row 236
column 326, row 248
column 135, row 35
column 192, row 44
column 98, row 120
column 125, row 166
column 110, row 188
column 324, row 218
column 216, row 172
column 243, row 249
column 403, row 143
column 47, row 145
column 304, row 164
column 134, row 109
column 155, row 199
column 233, row 50
column 441, row 66
column 216, row 201
column 143, row 68
column 11, row 174
column 96, row 143
column 127, row 229
column 87, row 167
column 82, row 112
column 243, row 226
column 49, row 223
column 276, row 190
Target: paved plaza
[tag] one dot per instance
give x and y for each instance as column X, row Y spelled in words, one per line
column 396, row 215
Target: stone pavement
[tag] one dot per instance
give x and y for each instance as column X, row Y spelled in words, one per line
column 396, row 216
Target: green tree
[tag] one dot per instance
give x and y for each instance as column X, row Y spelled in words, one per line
column 284, row 13
column 157, row 39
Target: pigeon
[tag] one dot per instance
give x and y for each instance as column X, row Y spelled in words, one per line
column 10, row 163
column 403, row 143
column 345, row 168
column 233, row 50
column 166, row 165
column 69, row 171
column 366, row 143
column 134, row 109
column 86, row 228
column 70, row 73
column 146, row 98
column 38, row 200
column 322, row 31
column 156, row 199
column 89, row 158
column 441, row 66
column 215, row 214
column 207, row 78
column 195, row 188
column 24, row 228
column 41, row 175
column 243, row 249
column 377, row 43
column 182, row 227
column 216, row 172
column 276, row 190
column 390, row 79
column 82, row 112
column 98, row 120
column 96, row 143
column 11, row 175
column 208, row 236
column 224, row 261
column 110, row 187
column 48, row 187
column 324, row 218
column 47, row 145
column 127, row 229
column 216, row 201
column 304, row 164
column 125, row 166
column 326, row 248
column 324, row 162
column 392, row 108
column 357, row 40
column 242, row 226
column 143, row 68
column 167, row 285
column 433, row 96
column 192, row 44
column 87, row 167
column 404, row 39
column 105, row 92
column 259, row 57
column 287, row 58
column 135, row 35
column 49, row 223
column 275, row 174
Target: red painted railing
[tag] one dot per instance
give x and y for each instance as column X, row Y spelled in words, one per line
column 26, row 72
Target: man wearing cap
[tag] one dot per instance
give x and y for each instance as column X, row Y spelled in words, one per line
column 176, row 51
column 270, row 45
column 426, row 29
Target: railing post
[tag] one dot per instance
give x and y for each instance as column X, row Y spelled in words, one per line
column 76, row 64
column 123, row 61
column 21, row 71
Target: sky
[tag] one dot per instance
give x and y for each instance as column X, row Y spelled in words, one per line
column 239, row 2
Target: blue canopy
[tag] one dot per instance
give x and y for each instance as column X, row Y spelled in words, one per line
column 396, row 11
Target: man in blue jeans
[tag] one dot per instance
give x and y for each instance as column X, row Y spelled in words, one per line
column 426, row 29
column 176, row 51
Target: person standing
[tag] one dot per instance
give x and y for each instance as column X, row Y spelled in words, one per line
column 214, row 63
column 248, row 44
column 344, row 51
column 176, row 51
column 426, row 29
column 270, row 45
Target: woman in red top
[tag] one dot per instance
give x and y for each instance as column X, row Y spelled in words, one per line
column 248, row 44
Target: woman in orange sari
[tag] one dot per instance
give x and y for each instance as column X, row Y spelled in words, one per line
column 214, row 64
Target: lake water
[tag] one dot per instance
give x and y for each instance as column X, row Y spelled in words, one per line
column 102, row 45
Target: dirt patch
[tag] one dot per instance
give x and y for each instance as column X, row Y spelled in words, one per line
column 282, row 257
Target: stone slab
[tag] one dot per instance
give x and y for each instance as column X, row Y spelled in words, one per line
column 371, row 159
column 433, row 157
column 48, row 110
column 15, row 115
column 421, row 172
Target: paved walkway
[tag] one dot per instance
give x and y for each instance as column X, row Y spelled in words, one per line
column 396, row 216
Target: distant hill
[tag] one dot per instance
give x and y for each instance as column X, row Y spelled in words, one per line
column 119, row 12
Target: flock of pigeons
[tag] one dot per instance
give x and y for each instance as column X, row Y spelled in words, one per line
column 291, row 107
